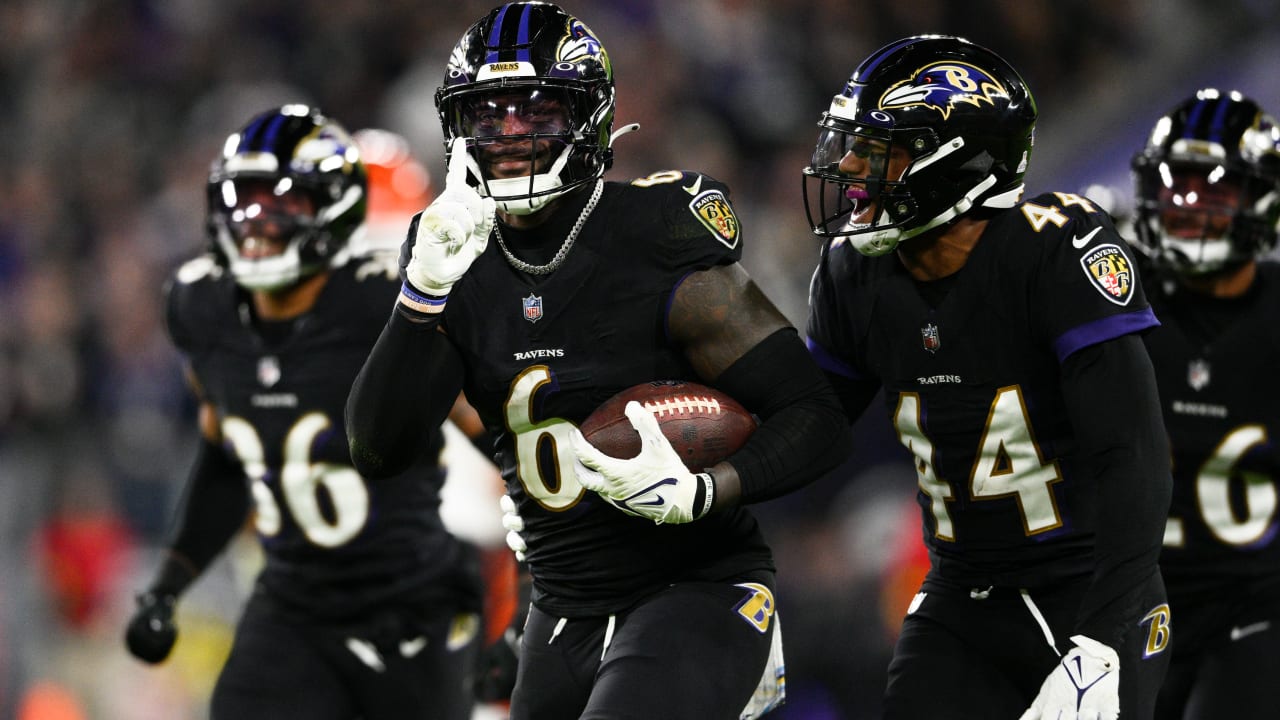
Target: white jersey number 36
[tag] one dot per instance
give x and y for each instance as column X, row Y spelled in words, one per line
column 300, row 483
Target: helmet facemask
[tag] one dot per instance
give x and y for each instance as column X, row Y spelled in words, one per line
column 893, row 202
column 872, row 203
column 530, row 143
column 269, row 232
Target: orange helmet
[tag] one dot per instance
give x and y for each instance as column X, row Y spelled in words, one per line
column 399, row 186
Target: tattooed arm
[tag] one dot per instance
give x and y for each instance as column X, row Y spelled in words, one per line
column 739, row 342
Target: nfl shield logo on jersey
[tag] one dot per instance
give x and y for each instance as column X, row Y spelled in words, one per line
column 268, row 371
column 1198, row 374
column 533, row 308
column 929, row 335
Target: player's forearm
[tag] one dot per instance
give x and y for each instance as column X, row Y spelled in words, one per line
column 1128, row 453
column 803, row 433
column 212, row 511
column 407, row 385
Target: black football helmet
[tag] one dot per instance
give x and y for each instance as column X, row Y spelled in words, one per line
column 560, row 76
column 1207, row 184
column 965, row 119
column 294, row 148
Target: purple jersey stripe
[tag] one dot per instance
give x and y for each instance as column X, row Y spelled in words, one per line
column 1102, row 330
column 830, row 362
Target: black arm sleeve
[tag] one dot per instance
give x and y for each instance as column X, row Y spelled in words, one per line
column 406, row 388
column 855, row 395
column 213, row 510
column 1124, row 445
column 803, row 432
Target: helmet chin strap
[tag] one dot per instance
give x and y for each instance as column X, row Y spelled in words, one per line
column 884, row 241
column 540, row 186
column 543, row 185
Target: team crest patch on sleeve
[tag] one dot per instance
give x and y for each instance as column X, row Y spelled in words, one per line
column 757, row 607
column 1111, row 272
column 715, row 212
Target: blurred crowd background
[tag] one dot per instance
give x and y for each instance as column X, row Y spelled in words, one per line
column 111, row 111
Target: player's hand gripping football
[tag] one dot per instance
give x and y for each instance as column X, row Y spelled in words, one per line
column 151, row 632
column 654, row 484
column 449, row 235
column 1085, row 685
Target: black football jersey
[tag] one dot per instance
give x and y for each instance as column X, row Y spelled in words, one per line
column 1216, row 362
column 335, row 544
column 970, row 366
column 542, row 352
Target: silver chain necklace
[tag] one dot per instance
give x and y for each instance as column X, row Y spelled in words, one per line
column 563, row 252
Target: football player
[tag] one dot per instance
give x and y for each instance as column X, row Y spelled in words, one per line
column 1006, row 335
column 1207, row 186
column 366, row 606
column 399, row 187
column 652, row 585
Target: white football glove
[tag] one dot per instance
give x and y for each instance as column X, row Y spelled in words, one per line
column 451, row 233
column 514, row 524
column 1084, row 686
column 654, row 484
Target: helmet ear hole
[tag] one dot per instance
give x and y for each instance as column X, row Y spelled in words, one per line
column 902, row 209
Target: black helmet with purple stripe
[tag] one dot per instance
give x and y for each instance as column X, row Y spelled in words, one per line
column 533, row 62
column 1207, row 184
column 290, row 150
column 963, row 115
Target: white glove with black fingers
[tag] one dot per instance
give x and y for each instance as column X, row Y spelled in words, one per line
column 1084, row 686
column 654, row 484
column 449, row 235
column 514, row 524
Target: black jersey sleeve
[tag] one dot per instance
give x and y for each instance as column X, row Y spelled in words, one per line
column 1124, row 446
column 1087, row 288
column 403, row 392
column 188, row 301
column 375, row 284
column 840, row 306
column 213, row 509
column 803, row 434
column 836, row 322
column 700, row 228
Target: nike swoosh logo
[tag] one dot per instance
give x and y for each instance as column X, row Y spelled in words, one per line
column 1079, row 242
column 1242, row 632
column 694, row 188
column 657, row 500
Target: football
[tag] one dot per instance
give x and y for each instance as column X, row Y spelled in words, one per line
column 704, row 425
